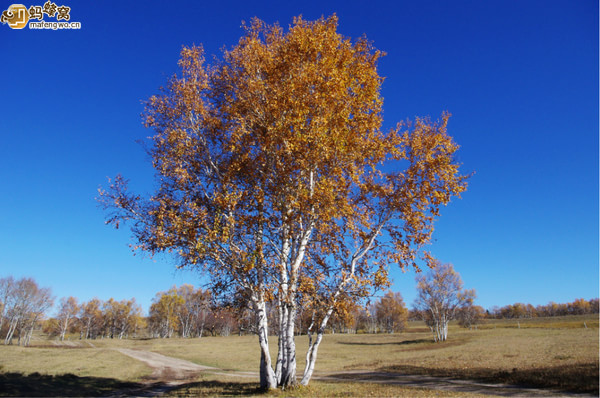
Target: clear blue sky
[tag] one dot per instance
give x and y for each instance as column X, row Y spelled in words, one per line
column 519, row 77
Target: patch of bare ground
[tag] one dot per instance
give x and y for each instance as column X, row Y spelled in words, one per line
column 168, row 373
column 166, row 368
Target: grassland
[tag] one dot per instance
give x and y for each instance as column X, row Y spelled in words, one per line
column 83, row 361
column 217, row 386
column 557, row 353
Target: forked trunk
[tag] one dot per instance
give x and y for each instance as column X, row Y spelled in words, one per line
column 313, row 347
column 311, row 357
column 29, row 334
column 440, row 331
column 296, row 246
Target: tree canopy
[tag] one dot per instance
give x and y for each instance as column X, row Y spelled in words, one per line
column 276, row 179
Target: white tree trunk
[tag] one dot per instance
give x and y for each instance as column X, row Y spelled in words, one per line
column 28, row 336
column 280, row 337
column 64, row 327
column 288, row 345
column 445, row 335
column 267, row 375
column 313, row 348
column 11, row 331
column 29, row 333
column 311, row 358
column 286, row 358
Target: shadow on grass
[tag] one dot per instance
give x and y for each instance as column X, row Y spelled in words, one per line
column 37, row 385
column 215, row 388
column 406, row 342
column 581, row 378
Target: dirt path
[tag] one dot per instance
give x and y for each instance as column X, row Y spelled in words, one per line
column 166, row 368
column 172, row 372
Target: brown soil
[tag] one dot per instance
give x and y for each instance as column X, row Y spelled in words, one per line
column 166, row 368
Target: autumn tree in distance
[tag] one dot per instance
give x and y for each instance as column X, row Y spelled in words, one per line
column 391, row 312
column 440, row 297
column 276, row 179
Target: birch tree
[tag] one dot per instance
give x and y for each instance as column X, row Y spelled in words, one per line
column 391, row 312
column 164, row 312
column 440, row 295
column 277, row 180
column 470, row 315
column 121, row 317
column 66, row 313
column 6, row 296
column 27, row 305
column 191, row 313
column 91, row 317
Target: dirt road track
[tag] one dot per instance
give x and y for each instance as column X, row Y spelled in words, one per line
column 165, row 367
column 172, row 372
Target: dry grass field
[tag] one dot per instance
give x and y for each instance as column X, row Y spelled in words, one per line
column 558, row 353
column 217, row 386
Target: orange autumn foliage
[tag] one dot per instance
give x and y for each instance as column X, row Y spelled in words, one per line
column 276, row 179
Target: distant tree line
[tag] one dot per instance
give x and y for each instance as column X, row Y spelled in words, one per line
column 188, row 312
column 96, row 319
column 521, row 310
column 388, row 314
column 180, row 311
column 185, row 312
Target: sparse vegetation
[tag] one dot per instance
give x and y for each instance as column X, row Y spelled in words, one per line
column 213, row 386
column 81, row 360
column 558, row 352
column 547, row 353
